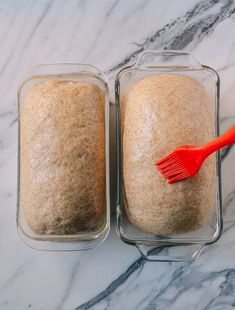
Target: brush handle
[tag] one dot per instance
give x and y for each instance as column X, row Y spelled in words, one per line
column 225, row 139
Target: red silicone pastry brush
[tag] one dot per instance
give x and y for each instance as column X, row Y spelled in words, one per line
column 186, row 160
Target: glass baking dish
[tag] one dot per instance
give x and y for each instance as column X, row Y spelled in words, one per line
column 171, row 247
column 81, row 240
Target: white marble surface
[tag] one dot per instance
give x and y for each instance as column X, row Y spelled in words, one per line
column 110, row 34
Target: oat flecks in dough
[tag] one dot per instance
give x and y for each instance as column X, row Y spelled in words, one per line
column 160, row 113
column 62, row 157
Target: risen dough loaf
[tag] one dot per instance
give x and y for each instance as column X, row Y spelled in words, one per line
column 62, row 157
column 160, row 113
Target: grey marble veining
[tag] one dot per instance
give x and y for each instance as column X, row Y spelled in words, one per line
column 110, row 35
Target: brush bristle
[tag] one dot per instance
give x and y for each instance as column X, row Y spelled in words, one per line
column 178, row 177
column 172, row 168
column 171, row 165
column 164, row 159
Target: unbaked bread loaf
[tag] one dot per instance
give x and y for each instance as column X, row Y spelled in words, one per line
column 160, row 113
column 62, row 157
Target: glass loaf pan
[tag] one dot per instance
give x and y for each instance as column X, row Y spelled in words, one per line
column 83, row 239
column 171, row 247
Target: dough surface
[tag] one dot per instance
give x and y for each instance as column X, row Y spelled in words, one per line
column 160, row 113
column 62, row 157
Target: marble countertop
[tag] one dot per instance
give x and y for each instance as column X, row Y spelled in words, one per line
column 110, row 35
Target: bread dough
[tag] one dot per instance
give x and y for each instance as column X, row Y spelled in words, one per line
column 160, row 113
column 62, row 157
